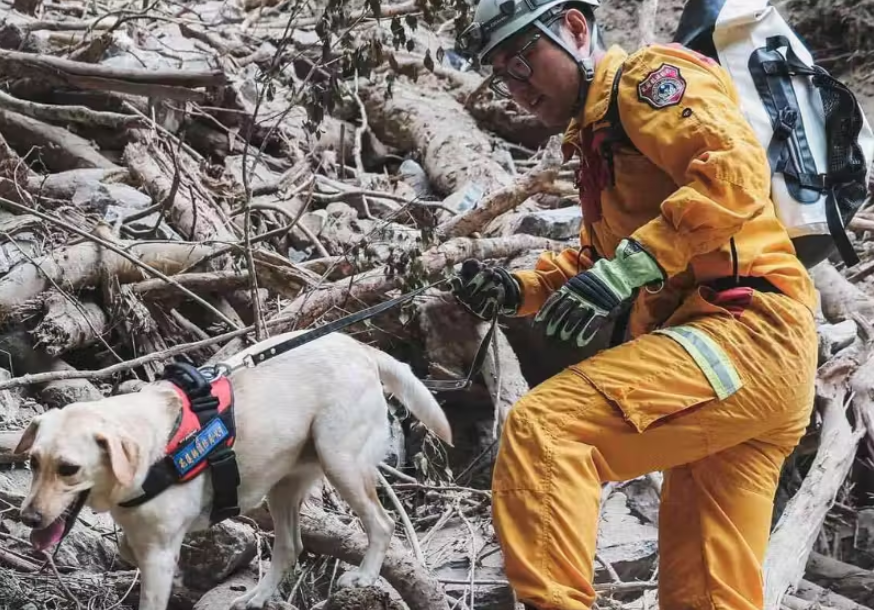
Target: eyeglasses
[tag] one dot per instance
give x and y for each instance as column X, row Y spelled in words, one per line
column 517, row 68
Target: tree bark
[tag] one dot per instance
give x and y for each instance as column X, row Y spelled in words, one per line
column 324, row 534
column 58, row 149
column 79, row 266
column 854, row 583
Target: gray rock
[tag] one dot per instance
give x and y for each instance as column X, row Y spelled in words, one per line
column 630, row 546
column 561, row 223
column 643, row 499
column 210, row 556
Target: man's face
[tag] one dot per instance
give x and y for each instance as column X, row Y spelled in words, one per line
column 553, row 79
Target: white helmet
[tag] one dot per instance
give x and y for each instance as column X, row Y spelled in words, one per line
column 497, row 20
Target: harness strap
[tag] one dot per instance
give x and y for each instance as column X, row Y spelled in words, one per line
column 217, row 432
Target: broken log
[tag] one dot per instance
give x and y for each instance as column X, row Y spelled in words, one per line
column 72, row 114
column 853, row 583
column 840, row 298
column 56, row 148
column 455, row 151
column 505, row 199
column 159, row 84
column 79, row 267
column 188, row 212
column 69, row 323
column 820, row 597
column 324, row 534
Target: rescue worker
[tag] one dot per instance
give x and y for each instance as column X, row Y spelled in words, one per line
column 714, row 382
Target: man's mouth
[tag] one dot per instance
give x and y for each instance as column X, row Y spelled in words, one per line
column 47, row 537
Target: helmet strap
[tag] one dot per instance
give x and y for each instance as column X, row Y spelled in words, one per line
column 585, row 65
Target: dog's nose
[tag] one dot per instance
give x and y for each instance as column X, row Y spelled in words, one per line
column 31, row 517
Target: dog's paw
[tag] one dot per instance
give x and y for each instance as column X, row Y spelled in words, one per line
column 355, row 578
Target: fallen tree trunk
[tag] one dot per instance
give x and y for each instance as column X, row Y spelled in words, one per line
column 840, row 298
column 854, row 583
column 820, row 597
column 454, row 149
column 79, row 267
column 163, row 84
column 324, row 534
column 505, row 199
column 69, row 324
column 194, row 217
column 59, row 149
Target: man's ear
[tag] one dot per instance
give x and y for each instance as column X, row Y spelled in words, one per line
column 576, row 25
column 123, row 453
column 26, row 441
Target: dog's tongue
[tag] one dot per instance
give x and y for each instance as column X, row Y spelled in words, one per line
column 48, row 536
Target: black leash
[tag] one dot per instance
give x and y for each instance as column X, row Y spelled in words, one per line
column 444, row 385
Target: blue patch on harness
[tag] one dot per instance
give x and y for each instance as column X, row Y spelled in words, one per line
column 195, row 451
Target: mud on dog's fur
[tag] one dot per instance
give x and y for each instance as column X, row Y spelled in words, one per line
column 318, row 409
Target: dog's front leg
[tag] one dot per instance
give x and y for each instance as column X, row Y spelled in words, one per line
column 157, row 562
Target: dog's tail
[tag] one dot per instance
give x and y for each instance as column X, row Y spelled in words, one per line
column 398, row 379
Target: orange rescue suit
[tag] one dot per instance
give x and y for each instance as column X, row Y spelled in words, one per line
column 715, row 385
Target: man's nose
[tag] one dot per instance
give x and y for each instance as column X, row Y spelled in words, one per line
column 31, row 517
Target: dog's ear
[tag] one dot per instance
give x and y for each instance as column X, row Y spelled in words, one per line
column 123, row 452
column 26, row 441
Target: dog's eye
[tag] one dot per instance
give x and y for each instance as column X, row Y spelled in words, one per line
column 67, row 470
column 34, row 463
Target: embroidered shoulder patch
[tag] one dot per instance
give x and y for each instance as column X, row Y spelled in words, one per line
column 663, row 87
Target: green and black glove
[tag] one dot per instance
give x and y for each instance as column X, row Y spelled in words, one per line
column 575, row 312
column 484, row 290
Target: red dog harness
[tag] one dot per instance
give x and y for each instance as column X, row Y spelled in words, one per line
column 203, row 437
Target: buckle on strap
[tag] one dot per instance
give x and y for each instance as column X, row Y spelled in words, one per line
column 787, row 119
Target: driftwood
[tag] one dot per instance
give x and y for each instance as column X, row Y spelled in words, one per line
column 80, row 266
column 168, row 84
column 69, row 323
column 844, row 579
column 57, row 148
column 324, row 534
column 131, row 235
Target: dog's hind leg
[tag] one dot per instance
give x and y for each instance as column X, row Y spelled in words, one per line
column 355, row 480
column 284, row 501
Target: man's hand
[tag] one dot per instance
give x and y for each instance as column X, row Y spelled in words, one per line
column 575, row 312
column 483, row 290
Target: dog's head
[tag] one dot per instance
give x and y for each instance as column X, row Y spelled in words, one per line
column 74, row 452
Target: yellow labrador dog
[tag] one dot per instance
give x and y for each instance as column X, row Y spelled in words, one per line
column 317, row 409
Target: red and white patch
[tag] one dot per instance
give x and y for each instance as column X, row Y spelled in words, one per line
column 663, row 87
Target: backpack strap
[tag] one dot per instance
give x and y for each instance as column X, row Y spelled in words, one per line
column 615, row 131
column 789, row 150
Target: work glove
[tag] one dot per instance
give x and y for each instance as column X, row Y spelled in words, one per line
column 575, row 312
column 484, row 290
